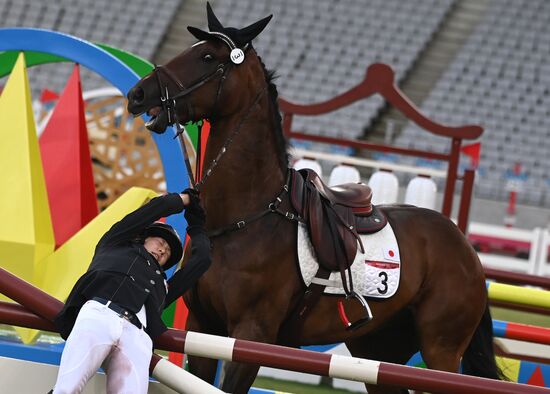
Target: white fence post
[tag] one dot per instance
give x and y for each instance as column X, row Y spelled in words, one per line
column 543, row 266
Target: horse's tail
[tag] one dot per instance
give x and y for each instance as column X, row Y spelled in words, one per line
column 479, row 357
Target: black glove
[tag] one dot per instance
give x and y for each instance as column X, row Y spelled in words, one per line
column 193, row 195
column 194, row 214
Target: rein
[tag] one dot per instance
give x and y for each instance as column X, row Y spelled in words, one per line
column 229, row 140
column 273, row 207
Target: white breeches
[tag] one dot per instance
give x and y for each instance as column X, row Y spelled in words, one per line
column 100, row 336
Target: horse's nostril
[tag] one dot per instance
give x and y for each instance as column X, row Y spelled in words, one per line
column 137, row 95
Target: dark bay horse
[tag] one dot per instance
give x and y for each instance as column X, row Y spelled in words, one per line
column 253, row 285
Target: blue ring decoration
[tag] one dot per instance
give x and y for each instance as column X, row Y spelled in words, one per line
column 118, row 74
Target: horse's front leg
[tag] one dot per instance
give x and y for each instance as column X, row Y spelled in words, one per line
column 238, row 377
column 204, row 368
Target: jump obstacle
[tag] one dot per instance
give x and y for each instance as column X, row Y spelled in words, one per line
column 519, row 298
column 519, row 295
column 241, row 342
column 37, row 310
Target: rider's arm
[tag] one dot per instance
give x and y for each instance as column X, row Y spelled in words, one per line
column 135, row 222
column 199, row 261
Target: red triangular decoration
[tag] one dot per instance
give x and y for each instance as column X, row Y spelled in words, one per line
column 537, row 379
column 48, row 96
column 67, row 164
column 473, row 152
column 205, row 133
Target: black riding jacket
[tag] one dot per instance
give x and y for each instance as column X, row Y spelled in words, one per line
column 124, row 272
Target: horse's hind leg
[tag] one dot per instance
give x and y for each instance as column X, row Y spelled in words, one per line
column 395, row 343
column 445, row 328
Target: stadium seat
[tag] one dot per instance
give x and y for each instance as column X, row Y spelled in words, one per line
column 343, row 173
column 308, row 163
column 421, row 192
column 385, row 187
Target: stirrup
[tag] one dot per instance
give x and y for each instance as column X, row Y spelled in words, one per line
column 362, row 321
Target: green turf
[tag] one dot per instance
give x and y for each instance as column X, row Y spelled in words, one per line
column 296, row 388
column 534, row 319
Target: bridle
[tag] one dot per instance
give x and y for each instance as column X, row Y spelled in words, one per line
column 169, row 102
column 169, row 106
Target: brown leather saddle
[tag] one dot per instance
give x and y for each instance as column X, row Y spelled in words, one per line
column 335, row 216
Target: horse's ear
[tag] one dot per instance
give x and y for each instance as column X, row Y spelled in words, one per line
column 213, row 23
column 247, row 34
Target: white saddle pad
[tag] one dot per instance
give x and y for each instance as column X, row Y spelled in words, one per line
column 375, row 273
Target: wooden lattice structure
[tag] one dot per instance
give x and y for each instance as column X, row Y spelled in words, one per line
column 122, row 150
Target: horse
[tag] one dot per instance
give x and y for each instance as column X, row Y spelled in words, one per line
column 253, row 287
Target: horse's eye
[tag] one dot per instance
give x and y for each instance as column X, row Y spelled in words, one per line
column 208, row 58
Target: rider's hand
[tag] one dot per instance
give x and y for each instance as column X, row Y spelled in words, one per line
column 185, row 198
column 190, row 196
column 194, row 214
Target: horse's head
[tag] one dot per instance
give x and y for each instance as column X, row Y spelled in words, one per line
column 195, row 84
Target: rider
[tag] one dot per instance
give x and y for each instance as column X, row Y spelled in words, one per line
column 114, row 310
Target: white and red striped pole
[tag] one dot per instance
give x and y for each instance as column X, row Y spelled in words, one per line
column 230, row 349
column 337, row 366
column 178, row 379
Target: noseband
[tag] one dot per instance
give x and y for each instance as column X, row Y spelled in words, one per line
column 169, row 102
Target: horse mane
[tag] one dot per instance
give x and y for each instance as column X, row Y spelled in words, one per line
column 280, row 140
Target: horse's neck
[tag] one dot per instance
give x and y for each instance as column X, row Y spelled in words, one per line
column 249, row 173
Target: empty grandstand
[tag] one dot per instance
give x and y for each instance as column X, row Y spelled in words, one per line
column 461, row 61
column 117, row 23
column 500, row 80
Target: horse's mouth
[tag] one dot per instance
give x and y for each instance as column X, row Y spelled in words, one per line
column 159, row 120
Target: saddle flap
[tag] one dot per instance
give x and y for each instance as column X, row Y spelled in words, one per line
column 331, row 236
column 297, row 192
column 331, row 226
